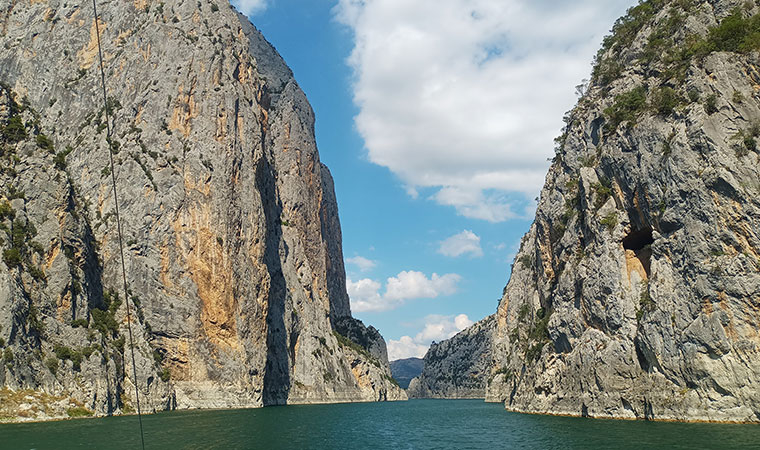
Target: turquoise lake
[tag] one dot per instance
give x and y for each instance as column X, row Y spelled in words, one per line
column 416, row 424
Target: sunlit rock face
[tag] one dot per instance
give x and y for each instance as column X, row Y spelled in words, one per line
column 458, row 367
column 232, row 239
column 636, row 291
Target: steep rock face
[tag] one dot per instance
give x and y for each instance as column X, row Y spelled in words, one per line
column 636, row 292
column 458, row 367
column 232, row 239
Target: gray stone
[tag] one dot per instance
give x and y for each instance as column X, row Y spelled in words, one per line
column 457, row 367
column 231, row 231
column 635, row 292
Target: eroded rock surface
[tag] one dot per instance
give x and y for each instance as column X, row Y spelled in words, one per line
column 636, row 291
column 458, row 367
column 232, row 239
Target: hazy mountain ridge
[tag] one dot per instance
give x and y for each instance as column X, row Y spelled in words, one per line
column 403, row 370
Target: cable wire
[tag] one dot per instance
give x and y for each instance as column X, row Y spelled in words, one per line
column 118, row 219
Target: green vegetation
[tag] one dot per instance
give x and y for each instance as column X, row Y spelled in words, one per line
column 6, row 211
column 734, row 34
column 711, row 104
column 610, row 221
column 158, row 357
column 12, row 258
column 79, row 323
column 79, row 411
column 33, row 321
column 665, row 100
column 14, row 131
column 748, row 142
column 667, row 56
column 103, row 318
column 8, row 355
column 165, row 374
column 603, row 191
column 63, row 352
column 646, row 304
column 52, row 364
column 540, row 330
column 60, row 158
column 44, row 143
column 21, row 235
column 626, row 108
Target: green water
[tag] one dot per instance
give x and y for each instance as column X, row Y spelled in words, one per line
column 417, row 424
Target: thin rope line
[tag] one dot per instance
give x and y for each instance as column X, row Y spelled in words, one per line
column 118, row 221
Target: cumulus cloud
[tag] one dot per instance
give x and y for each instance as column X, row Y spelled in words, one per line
column 466, row 96
column 413, row 284
column 404, row 348
column 250, row 7
column 362, row 263
column 365, row 293
column 460, row 244
column 436, row 328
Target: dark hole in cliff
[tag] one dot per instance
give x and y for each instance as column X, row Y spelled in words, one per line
column 639, row 241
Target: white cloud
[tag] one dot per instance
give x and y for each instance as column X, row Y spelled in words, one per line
column 412, row 284
column 436, row 328
column 460, row 244
column 362, row 263
column 462, row 321
column 250, row 7
column 404, row 348
column 365, row 293
column 466, row 96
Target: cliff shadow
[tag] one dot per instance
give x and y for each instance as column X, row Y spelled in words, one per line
column 277, row 368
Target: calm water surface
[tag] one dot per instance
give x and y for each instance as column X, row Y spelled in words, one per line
column 416, row 424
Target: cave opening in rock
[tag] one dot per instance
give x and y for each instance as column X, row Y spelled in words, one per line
column 637, row 245
column 638, row 239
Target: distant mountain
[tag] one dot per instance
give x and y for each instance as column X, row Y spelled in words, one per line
column 403, row 370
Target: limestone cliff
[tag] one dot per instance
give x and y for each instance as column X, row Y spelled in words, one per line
column 458, row 367
column 233, row 245
column 636, row 292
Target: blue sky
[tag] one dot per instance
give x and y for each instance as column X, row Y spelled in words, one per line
column 436, row 118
